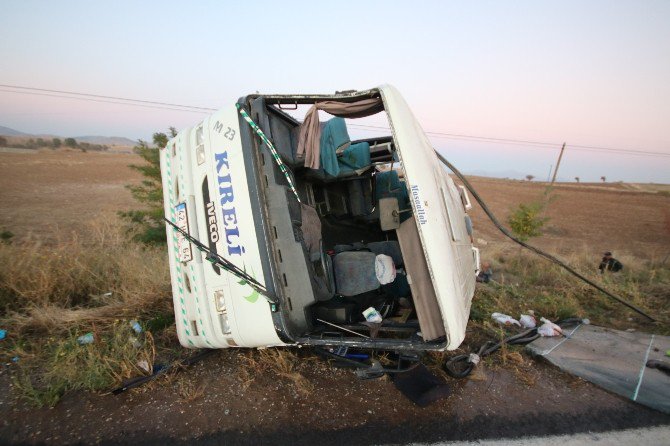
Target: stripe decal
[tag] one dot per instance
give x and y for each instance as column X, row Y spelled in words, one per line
column 173, row 218
column 270, row 146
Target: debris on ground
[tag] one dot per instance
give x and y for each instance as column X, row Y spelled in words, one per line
column 505, row 319
column 528, row 320
column 421, row 386
column 549, row 329
column 137, row 328
column 88, row 338
column 144, row 365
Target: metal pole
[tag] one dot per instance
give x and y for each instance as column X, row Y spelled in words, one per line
column 558, row 163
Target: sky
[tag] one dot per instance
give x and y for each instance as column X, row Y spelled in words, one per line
column 588, row 73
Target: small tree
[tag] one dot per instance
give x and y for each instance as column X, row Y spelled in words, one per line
column 3, row 141
column 56, row 143
column 530, row 177
column 603, row 178
column 667, row 230
column 71, row 142
column 577, row 179
column 149, row 221
column 527, row 221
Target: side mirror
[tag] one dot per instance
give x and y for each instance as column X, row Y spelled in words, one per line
column 389, row 213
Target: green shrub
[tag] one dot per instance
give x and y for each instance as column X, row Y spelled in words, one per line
column 148, row 222
column 527, row 221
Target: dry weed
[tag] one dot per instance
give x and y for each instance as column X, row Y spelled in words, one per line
column 52, row 294
column 533, row 283
column 61, row 364
column 282, row 362
column 189, row 391
column 50, row 289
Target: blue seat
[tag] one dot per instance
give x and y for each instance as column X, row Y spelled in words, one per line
column 334, row 137
column 339, row 158
column 388, row 184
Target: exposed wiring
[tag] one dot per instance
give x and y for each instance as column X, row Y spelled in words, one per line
column 537, row 251
column 161, row 370
column 462, row 365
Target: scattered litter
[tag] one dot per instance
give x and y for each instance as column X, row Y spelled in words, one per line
column 660, row 365
column 3, row 334
column 372, row 315
column 136, row 326
column 586, row 321
column 549, row 329
column 226, row 412
column 135, row 342
column 15, row 359
column 482, row 242
column 528, row 320
column 630, row 330
column 86, row 339
column 100, row 298
column 505, row 319
column 144, row 365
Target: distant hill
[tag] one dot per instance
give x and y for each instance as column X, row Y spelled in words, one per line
column 91, row 139
column 10, row 132
column 106, row 140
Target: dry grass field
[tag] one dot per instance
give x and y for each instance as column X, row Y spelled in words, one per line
column 47, row 194
column 623, row 218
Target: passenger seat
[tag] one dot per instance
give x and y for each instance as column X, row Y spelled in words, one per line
column 357, row 272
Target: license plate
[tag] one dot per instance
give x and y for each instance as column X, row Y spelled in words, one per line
column 183, row 245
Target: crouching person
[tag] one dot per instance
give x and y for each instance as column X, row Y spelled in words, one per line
column 609, row 263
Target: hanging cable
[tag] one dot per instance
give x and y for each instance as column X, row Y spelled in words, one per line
column 537, row 251
column 462, row 365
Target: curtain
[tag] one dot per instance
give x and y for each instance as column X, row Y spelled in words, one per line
column 310, row 130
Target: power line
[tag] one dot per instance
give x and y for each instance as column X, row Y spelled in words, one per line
column 107, row 97
column 194, row 109
column 540, row 144
column 104, row 101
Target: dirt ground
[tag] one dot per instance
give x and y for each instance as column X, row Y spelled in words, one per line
column 618, row 217
column 48, row 192
column 211, row 404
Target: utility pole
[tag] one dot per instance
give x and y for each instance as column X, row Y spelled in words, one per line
column 558, row 163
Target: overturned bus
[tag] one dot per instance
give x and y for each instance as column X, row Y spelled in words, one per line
column 322, row 240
